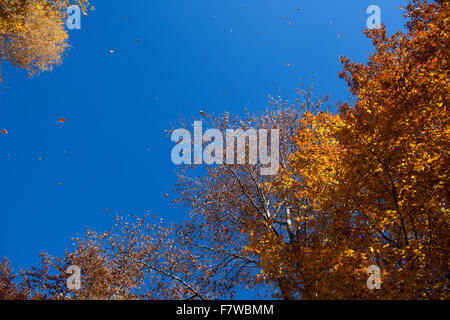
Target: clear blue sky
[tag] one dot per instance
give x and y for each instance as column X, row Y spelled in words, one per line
column 112, row 152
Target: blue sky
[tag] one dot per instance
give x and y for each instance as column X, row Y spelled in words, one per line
column 112, row 152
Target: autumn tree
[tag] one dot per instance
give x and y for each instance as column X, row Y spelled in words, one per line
column 205, row 257
column 370, row 186
column 229, row 202
column 32, row 33
column 397, row 138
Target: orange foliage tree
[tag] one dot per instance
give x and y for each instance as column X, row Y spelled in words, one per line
column 370, row 186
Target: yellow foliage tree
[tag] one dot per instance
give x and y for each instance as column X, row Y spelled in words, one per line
column 33, row 34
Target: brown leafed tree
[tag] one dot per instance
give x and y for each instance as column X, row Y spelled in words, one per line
column 370, row 186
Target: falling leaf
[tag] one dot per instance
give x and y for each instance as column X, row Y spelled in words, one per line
column 62, row 120
column 202, row 113
column 166, row 195
column 4, row 131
